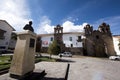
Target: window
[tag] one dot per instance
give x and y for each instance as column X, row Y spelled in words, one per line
column 51, row 39
column 71, row 45
column 2, row 34
column 79, row 39
column 2, row 47
column 76, row 44
column 70, row 38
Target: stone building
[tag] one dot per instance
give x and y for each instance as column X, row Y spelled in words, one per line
column 68, row 41
column 99, row 42
column 91, row 42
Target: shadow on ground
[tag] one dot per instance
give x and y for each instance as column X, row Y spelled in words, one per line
column 64, row 60
column 34, row 76
column 39, row 76
column 47, row 78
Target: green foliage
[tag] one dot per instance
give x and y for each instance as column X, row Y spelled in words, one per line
column 4, row 62
column 54, row 48
column 47, row 59
column 14, row 36
column 4, row 58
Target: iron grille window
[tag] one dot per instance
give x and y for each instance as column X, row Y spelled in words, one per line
column 51, row 38
column 70, row 38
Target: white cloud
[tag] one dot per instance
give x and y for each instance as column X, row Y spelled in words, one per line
column 15, row 12
column 72, row 19
column 45, row 26
column 68, row 26
column 110, row 20
column 113, row 21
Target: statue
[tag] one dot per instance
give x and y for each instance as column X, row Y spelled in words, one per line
column 29, row 26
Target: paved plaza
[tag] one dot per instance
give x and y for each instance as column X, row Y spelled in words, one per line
column 81, row 68
column 87, row 68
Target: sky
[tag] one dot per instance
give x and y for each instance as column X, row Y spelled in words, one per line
column 72, row 15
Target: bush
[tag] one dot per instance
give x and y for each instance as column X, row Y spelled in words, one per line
column 54, row 48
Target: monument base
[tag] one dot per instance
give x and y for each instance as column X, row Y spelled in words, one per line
column 22, row 76
column 23, row 61
column 29, row 76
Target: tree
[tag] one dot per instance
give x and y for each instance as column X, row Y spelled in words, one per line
column 14, row 36
column 54, row 48
column 50, row 50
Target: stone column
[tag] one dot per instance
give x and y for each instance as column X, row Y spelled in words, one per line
column 24, row 54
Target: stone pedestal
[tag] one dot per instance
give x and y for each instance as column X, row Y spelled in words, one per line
column 24, row 54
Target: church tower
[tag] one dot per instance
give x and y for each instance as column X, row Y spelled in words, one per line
column 88, row 30
column 99, row 42
column 58, row 36
column 105, row 29
column 107, row 38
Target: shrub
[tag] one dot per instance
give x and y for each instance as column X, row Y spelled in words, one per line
column 54, row 48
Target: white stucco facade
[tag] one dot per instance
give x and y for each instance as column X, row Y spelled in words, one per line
column 7, row 35
column 69, row 39
column 46, row 40
column 116, row 41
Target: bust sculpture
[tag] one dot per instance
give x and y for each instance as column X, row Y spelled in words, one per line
column 29, row 26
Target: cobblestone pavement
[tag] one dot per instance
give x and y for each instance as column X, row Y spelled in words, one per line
column 82, row 68
column 54, row 70
column 91, row 68
column 88, row 68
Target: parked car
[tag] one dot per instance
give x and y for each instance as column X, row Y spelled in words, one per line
column 65, row 54
column 114, row 57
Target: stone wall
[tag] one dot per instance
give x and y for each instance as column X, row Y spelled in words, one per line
column 75, row 50
column 99, row 42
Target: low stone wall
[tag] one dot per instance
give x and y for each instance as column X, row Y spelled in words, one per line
column 44, row 49
column 76, row 51
column 73, row 50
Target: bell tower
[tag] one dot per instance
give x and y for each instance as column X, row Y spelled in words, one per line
column 58, row 36
column 88, row 30
column 107, row 38
column 58, row 33
column 105, row 29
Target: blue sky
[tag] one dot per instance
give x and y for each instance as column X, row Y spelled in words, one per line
column 71, row 14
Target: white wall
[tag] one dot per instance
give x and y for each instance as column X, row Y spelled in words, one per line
column 67, row 42
column 46, row 40
column 116, row 42
column 4, row 26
